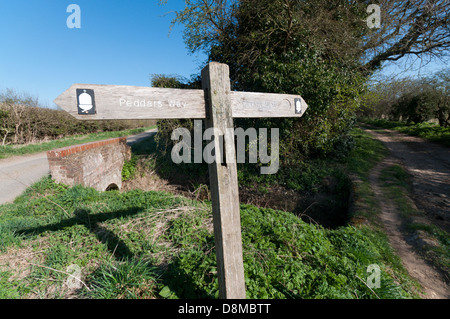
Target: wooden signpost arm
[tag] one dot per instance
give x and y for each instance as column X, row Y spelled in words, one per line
column 224, row 184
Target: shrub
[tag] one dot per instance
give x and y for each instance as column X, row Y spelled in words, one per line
column 21, row 124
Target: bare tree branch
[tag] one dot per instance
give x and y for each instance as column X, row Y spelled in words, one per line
column 419, row 27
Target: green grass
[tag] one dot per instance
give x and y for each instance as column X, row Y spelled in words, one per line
column 397, row 186
column 366, row 153
column 140, row 244
column 430, row 131
column 154, row 245
column 11, row 150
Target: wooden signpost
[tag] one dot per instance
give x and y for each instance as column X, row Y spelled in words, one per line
column 218, row 105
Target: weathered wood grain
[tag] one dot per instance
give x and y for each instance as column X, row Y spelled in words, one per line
column 133, row 102
column 224, row 185
column 251, row 104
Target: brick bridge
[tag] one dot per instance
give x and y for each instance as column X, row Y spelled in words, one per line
column 97, row 164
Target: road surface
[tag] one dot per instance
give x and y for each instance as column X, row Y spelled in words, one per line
column 19, row 172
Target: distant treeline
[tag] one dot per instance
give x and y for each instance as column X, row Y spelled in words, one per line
column 21, row 124
column 412, row 100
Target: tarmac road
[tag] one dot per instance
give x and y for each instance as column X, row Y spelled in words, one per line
column 19, row 172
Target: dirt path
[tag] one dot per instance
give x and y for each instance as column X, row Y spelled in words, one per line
column 429, row 166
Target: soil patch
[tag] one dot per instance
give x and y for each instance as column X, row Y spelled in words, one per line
column 421, row 162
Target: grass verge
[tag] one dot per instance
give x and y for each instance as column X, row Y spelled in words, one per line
column 12, row 150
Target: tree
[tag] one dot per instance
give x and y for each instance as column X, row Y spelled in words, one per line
column 440, row 83
column 418, row 28
column 14, row 106
column 408, row 28
column 5, row 125
column 382, row 96
column 270, row 48
column 417, row 107
column 410, row 99
column 168, row 81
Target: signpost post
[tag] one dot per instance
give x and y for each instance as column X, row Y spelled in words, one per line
column 218, row 105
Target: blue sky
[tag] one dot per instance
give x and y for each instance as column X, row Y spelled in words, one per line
column 119, row 42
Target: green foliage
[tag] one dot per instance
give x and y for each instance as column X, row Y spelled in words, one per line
column 129, row 168
column 140, row 244
column 418, row 107
column 170, row 81
column 278, row 47
column 330, row 98
column 286, row 258
column 410, row 99
column 429, row 131
column 438, row 253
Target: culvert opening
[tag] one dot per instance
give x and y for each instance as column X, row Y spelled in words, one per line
column 112, row 187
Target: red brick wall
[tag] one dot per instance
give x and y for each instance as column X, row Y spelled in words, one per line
column 97, row 164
